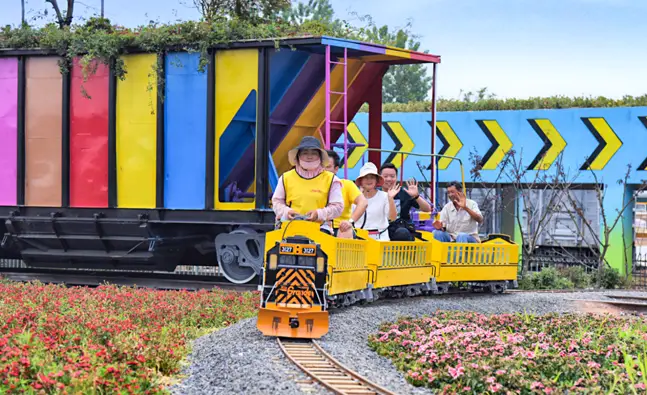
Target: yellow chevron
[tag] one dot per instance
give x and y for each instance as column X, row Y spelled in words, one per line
column 500, row 146
column 454, row 144
column 556, row 140
column 358, row 152
column 609, row 143
column 400, row 137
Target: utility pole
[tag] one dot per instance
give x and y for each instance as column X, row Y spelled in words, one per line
column 101, row 8
column 22, row 2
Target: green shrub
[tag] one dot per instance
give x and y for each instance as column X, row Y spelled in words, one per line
column 532, row 103
column 610, row 278
column 577, row 275
column 547, row 278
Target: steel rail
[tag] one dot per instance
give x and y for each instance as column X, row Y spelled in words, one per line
column 311, row 358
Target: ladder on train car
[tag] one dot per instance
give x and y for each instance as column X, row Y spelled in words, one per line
column 344, row 94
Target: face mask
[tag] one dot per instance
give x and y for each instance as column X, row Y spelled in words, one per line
column 315, row 164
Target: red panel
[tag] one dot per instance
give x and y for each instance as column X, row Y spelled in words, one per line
column 89, row 138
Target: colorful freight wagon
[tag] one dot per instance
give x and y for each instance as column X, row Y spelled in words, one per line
column 147, row 173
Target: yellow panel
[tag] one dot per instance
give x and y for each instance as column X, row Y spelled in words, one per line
column 137, row 133
column 449, row 273
column 236, row 77
column 400, row 53
column 349, row 281
column 313, row 117
column 403, row 276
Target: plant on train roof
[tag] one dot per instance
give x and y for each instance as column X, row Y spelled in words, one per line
column 99, row 40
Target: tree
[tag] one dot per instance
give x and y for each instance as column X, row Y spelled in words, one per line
column 403, row 83
column 60, row 19
column 313, row 10
column 609, row 220
column 248, row 10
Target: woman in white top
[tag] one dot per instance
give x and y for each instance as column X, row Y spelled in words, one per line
column 381, row 206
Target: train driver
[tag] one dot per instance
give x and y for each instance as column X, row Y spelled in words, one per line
column 459, row 219
column 308, row 189
column 381, row 207
column 352, row 196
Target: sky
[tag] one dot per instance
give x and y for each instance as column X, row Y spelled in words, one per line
column 514, row 48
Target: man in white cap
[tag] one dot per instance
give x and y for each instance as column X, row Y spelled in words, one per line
column 308, row 189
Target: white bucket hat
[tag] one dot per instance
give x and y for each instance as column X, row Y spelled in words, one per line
column 368, row 169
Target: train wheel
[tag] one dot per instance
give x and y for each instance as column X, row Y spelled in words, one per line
column 230, row 259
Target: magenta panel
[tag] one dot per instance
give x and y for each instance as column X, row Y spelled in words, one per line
column 8, row 130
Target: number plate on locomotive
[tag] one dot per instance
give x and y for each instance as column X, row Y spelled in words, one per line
column 297, row 249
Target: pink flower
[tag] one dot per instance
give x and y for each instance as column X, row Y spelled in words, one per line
column 495, row 387
column 536, row 385
column 592, row 364
column 456, row 372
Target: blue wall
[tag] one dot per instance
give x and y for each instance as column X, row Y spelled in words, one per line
column 623, row 132
column 627, row 123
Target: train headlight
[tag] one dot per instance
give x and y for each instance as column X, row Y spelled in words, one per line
column 274, row 260
column 320, row 264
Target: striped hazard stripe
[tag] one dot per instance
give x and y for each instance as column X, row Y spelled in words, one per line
column 298, row 286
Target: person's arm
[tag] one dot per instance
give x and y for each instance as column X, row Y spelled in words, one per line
column 417, row 200
column 278, row 200
column 444, row 218
column 392, row 212
column 423, row 205
column 335, row 203
column 473, row 211
column 360, row 205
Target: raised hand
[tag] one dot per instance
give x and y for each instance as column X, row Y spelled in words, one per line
column 393, row 192
column 461, row 200
column 412, row 188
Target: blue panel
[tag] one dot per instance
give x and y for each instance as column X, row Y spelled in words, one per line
column 629, row 124
column 236, row 139
column 273, row 174
column 285, row 66
column 185, row 126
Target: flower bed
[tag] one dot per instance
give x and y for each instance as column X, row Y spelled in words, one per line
column 464, row 352
column 104, row 340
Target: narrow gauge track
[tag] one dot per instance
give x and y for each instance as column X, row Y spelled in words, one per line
column 322, row 367
column 636, row 304
column 161, row 281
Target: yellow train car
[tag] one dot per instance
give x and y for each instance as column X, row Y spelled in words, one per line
column 307, row 272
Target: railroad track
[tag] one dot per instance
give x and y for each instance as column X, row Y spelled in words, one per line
column 327, row 371
column 162, row 281
column 615, row 303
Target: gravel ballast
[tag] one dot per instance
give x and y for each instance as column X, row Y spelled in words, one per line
column 240, row 360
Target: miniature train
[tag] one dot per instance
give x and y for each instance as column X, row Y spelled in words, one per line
column 307, row 271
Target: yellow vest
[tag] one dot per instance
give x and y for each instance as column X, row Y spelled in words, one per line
column 304, row 195
column 350, row 192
